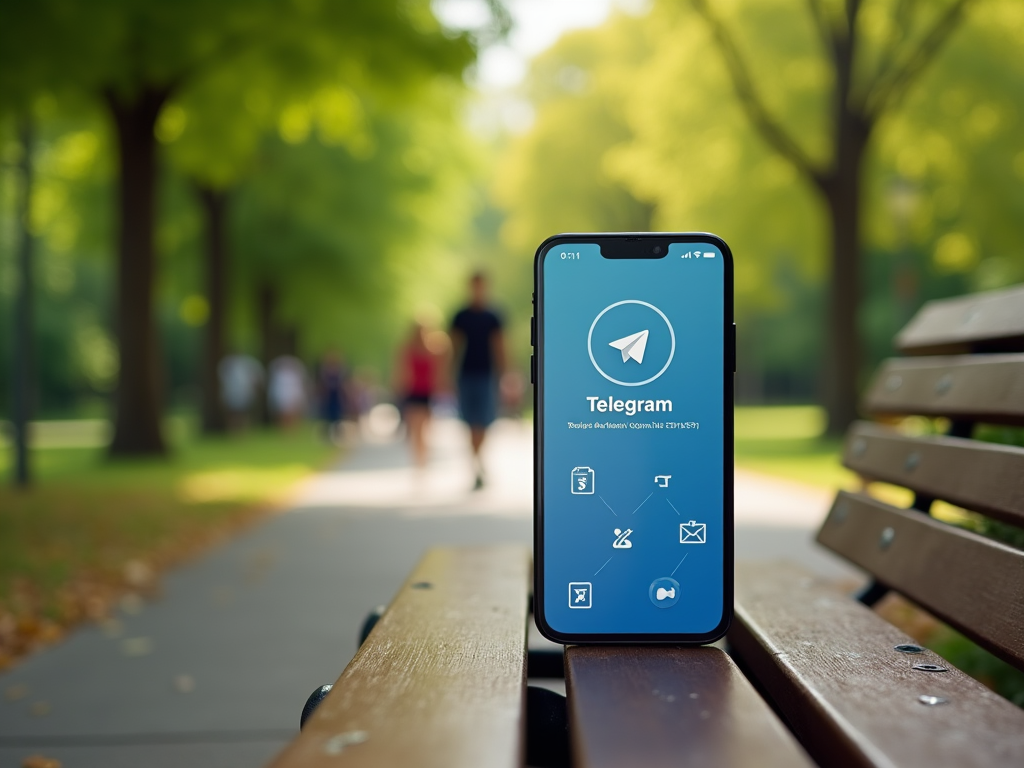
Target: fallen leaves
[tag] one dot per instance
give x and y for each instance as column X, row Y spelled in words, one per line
column 38, row 761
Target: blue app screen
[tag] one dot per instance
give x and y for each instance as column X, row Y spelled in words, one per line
column 633, row 420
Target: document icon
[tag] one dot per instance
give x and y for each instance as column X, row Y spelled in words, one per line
column 692, row 532
column 582, row 480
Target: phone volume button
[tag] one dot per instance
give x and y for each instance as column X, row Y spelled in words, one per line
column 533, row 332
column 533, row 369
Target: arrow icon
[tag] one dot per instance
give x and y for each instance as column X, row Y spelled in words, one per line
column 632, row 346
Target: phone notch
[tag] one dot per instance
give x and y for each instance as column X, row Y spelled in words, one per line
column 638, row 247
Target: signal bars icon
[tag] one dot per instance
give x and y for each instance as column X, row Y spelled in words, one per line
column 698, row 255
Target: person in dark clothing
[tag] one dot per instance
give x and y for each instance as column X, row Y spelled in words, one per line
column 479, row 345
column 332, row 385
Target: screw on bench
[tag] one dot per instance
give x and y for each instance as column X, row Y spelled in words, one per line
column 930, row 668
column 908, row 648
column 885, row 540
column 313, row 702
column 876, row 590
column 370, row 622
column 931, row 701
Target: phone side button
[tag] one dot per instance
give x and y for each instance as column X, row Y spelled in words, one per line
column 533, row 369
column 533, row 331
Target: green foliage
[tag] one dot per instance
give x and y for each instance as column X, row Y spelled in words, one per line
column 334, row 126
column 90, row 515
column 640, row 115
column 974, row 660
column 357, row 239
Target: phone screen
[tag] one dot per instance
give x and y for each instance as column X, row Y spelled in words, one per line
column 634, row 490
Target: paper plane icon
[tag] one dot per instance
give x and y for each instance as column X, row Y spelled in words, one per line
column 632, row 346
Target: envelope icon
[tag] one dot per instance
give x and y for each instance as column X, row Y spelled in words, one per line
column 692, row 532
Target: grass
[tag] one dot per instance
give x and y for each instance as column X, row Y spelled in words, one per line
column 91, row 526
column 786, row 441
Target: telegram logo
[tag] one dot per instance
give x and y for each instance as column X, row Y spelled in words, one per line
column 632, row 346
column 631, row 343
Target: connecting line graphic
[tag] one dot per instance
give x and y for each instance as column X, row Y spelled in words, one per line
column 610, row 559
column 643, row 502
column 674, row 569
column 673, row 506
column 608, row 505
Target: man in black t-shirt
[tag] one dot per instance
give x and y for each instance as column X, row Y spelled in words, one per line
column 480, row 361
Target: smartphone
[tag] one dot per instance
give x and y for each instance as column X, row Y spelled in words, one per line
column 634, row 356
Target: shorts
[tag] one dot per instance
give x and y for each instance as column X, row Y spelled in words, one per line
column 417, row 398
column 478, row 401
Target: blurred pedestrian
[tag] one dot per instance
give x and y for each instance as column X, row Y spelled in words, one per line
column 479, row 346
column 419, row 373
column 241, row 377
column 332, row 384
column 286, row 390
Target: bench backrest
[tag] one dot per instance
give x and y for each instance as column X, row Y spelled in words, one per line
column 964, row 360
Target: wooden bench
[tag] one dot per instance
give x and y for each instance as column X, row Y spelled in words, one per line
column 810, row 674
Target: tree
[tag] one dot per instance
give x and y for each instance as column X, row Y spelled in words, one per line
column 21, row 380
column 136, row 55
column 870, row 78
column 215, row 134
column 346, row 239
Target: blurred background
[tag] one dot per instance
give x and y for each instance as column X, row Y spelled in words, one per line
column 220, row 221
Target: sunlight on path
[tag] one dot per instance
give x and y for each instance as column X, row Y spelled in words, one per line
column 379, row 476
column 444, row 487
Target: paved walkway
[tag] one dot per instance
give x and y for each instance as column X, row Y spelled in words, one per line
column 216, row 671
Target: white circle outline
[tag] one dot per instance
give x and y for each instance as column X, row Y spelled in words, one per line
column 671, row 333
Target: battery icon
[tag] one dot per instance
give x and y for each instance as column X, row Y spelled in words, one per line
column 709, row 254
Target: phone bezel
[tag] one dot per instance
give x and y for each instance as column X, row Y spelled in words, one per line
column 620, row 240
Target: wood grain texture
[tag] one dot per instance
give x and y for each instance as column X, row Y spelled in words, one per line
column 441, row 679
column 654, row 707
column 991, row 321
column 986, row 388
column 829, row 665
column 985, row 477
column 971, row 582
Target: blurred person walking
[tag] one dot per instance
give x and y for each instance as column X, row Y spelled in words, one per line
column 241, row 377
column 286, row 390
column 332, row 379
column 479, row 343
column 418, row 377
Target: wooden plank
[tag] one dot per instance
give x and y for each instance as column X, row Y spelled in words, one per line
column 830, row 666
column 655, row 706
column 983, row 322
column 987, row 388
column 985, row 477
column 441, row 679
column 970, row 582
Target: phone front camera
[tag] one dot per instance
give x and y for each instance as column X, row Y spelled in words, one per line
column 657, row 249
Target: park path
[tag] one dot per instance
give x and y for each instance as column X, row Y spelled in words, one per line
column 215, row 672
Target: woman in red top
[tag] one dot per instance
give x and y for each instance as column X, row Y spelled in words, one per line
column 418, row 371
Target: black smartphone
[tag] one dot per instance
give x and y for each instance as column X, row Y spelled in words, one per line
column 633, row 435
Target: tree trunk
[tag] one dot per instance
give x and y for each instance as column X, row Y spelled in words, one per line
column 266, row 303
column 137, row 420
column 21, row 380
column 842, row 357
column 214, row 204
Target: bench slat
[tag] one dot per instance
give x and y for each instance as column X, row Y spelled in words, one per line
column 970, row 582
column 441, row 679
column 829, row 665
column 991, row 321
column 987, row 388
column 669, row 707
column 985, row 477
